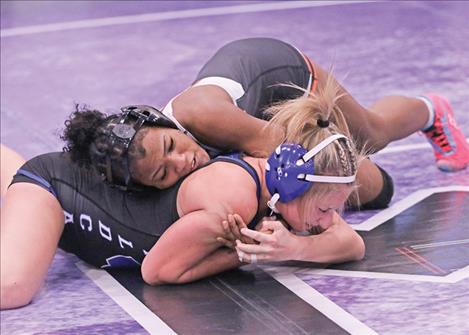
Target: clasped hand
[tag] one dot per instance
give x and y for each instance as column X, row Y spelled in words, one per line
column 270, row 241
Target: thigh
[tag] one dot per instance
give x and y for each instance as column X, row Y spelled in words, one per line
column 10, row 162
column 366, row 127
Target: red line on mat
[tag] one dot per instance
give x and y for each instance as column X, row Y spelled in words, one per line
column 420, row 260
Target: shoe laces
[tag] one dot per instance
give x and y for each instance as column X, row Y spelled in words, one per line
column 438, row 136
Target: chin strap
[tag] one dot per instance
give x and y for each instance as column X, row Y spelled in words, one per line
column 271, row 203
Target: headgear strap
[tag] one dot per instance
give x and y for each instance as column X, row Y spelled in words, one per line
column 290, row 171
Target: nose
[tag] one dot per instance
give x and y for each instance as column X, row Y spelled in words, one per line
column 179, row 162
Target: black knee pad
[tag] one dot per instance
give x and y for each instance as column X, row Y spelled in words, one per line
column 384, row 197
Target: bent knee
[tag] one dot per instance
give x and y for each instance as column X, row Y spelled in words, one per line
column 374, row 136
column 383, row 199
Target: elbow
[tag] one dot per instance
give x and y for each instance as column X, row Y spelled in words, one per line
column 160, row 276
column 359, row 249
column 156, row 279
column 151, row 273
column 152, row 277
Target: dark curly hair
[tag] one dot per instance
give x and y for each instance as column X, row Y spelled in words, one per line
column 86, row 134
column 82, row 129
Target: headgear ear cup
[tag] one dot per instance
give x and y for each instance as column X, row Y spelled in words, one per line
column 282, row 172
column 290, row 171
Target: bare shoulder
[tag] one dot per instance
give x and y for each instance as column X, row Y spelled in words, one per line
column 220, row 187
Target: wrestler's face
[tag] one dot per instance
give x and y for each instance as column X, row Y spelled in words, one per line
column 169, row 156
column 314, row 214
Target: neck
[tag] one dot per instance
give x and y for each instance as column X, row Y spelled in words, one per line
column 259, row 165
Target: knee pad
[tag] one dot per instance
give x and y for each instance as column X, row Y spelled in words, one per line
column 384, row 197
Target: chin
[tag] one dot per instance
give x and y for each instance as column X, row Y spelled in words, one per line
column 205, row 158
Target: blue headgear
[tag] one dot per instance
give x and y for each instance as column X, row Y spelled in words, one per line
column 290, row 171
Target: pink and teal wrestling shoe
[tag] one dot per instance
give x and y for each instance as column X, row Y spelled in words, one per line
column 449, row 143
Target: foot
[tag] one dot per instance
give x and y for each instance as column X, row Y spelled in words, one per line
column 449, row 143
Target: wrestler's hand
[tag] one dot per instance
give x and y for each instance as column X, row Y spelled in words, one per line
column 232, row 231
column 275, row 243
column 265, row 229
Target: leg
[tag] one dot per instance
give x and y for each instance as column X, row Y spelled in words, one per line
column 389, row 119
column 399, row 116
column 10, row 162
column 375, row 189
column 31, row 224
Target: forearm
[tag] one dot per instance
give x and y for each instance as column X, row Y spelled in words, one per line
column 339, row 243
column 239, row 132
column 210, row 115
column 220, row 260
column 329, row 248
column 188, row 251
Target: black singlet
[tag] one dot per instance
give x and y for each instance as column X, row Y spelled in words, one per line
column 251, row 71
column 260, row 65
column 105, row 226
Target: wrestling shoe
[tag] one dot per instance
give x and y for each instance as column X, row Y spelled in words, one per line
column 449, row 143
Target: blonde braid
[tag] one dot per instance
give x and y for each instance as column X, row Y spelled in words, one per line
column 344, row 162
column 352, row 155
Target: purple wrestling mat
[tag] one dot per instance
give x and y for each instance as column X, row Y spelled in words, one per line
column 414, row 279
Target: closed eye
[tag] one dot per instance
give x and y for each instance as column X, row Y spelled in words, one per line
column 171, row 145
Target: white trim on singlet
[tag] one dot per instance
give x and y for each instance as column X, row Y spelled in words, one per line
column 168, row 111
column 234, row 89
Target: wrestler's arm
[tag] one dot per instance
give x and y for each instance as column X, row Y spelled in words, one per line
column 210, row 115
column 339, row 243
column 188, row 251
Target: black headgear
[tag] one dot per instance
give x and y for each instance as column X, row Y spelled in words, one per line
column 116, row 170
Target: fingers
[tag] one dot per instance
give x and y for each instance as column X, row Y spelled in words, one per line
column 240, row 255
column 273, row 225
column 249, row 258
column 240, row 224
column 227, row 231
column 253, row 248
column 260, row 224
column 239, row 221
column 256, row 235
column 233, row 222
column 231, row 231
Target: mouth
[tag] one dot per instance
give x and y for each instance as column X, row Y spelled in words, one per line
column 315, row 230
column 194, row 163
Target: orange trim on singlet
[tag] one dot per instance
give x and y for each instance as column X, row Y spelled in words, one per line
column 314, row 84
